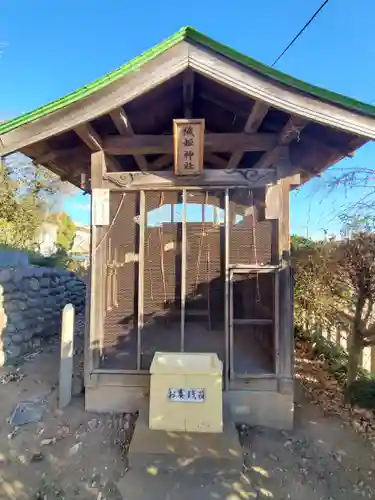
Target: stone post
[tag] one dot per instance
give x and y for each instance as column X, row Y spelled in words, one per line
column 66, row 356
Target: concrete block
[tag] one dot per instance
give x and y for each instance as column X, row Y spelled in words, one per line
column 264, row 408
column 107, row 398
column 286, row 386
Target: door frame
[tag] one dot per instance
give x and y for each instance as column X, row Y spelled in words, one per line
column 248, row 269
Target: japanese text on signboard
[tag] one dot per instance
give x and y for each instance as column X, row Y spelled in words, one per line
column 188, row 140
column 186, row 395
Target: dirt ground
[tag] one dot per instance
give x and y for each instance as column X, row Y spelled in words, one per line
column 72, row 454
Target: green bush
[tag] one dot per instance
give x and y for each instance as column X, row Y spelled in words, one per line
column 59, row 259
column 328, row 351
column 333, row 355
column 362, row 393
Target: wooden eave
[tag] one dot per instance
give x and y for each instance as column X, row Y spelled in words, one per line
column 267, row 117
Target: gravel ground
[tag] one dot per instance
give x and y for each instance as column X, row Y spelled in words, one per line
column 73, row 454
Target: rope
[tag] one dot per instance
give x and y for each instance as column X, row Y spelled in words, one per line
column 258, row 298
column 161, row 238
column 111, row 224
column 208, row 289
column 201, row 242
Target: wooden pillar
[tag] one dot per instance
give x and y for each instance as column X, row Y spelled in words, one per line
column 284, row 221
column 278, row 209
column 183, row 269
column 141, row 267
column 227, row 297
column 285, row 293
column 97, row 278
column 286, row 330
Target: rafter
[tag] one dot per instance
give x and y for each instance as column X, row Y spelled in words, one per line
column 161, row 162
column 95, row 143
column 289, row 132
column 188, row 93
column 88, row 135
column 124, row 127
column 167, row 160
column 59, row 155
column 254, row 121
column 233, row 108
column 163, row 144
column 215, row 160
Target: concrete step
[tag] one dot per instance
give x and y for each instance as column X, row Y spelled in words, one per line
column 178, row 485
column 185, row 451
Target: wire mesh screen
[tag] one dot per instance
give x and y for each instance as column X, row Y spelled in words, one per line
column 253, row 349
column 253, row 323
column 162, row 275
column 251, row 239
column 253, row 296
column 204, row 307
column 121, row 278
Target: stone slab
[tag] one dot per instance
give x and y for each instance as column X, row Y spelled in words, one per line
column 143, row 485
column 212, row 451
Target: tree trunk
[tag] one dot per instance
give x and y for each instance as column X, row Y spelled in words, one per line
column 354, row 351
column 355, row 340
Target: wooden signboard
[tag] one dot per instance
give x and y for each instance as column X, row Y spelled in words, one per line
column 188, row 140
column 100, row 207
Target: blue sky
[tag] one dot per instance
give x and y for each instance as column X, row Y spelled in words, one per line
column 51, row 48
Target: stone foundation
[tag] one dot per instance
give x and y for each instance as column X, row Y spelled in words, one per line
column 31, row 302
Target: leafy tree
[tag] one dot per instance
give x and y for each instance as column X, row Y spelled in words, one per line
column 300, row 242
column 21, row 210
column 354, row 283
column 335, row 283
column 66, row 232
column 27, row 195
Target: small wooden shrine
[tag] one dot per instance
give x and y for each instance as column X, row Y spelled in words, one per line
column 189, row 152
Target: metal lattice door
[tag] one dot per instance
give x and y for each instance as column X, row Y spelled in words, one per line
column 183, row 275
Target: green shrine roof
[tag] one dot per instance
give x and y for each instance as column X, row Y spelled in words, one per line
column 189, row 34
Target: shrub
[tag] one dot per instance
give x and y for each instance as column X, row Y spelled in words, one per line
column 362, row 393
column 59, row 259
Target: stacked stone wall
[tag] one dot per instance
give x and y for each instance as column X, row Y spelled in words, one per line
column 31, row 303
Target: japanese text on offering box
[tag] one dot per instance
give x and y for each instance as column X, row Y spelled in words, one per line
column 188, row 143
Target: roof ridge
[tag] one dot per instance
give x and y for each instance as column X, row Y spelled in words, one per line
column 190, row 34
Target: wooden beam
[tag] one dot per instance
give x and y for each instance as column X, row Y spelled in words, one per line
column 248, row 178
column 141, row 274
column 278, row 207
column 188, row 93
column 84, row 183
column 99, row 163
column 162, row 144
column 289, row 132
column 254, row 121
column 95, row 143
column 215, row 160
column 123, row 125
column 60, row 155
column 233, row 108
column 88, row 135
column 121, row 122
column 97, row 267
column 161, row 162
column 256, row 116
column 284, row 221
